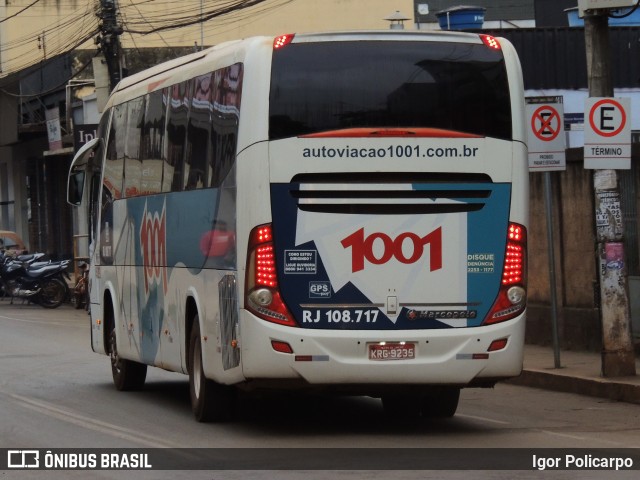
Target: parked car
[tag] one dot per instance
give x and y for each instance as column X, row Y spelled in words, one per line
column 11, row 242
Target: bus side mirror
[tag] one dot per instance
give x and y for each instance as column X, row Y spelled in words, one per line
column 75, row 187
column 77, row 172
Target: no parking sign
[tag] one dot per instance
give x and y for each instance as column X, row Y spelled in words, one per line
column 607, row 133
column 545, row 138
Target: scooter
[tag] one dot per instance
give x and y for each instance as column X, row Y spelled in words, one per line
column 42, row 283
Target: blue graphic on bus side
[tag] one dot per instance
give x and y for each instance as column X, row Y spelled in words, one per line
column 152, row 234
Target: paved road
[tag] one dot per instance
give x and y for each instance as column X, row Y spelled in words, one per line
column 56, row 393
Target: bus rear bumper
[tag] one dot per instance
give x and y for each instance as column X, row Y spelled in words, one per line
column 456, row 356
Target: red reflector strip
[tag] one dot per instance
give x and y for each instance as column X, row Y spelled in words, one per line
column 312, row 358
column 497, row 345
column 282, row 347
column 391, row 132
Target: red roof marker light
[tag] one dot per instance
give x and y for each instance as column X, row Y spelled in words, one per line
column 491, row 42
column 283, row 40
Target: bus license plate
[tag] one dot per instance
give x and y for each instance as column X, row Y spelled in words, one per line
column 392, row 351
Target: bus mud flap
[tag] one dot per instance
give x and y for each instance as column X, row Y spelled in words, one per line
column 229, row 321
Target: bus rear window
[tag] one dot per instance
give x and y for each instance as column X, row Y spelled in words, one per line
column 326, row 86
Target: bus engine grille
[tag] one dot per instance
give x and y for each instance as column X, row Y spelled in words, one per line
column 379, row 193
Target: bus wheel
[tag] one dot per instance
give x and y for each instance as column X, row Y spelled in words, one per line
column 442, row 403
column 401, row 406
column 210, row 401
column 127, row 374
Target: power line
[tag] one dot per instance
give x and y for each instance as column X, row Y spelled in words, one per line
column 18, row 13
column 174, row 22
column 77, row 28
column 52, row 89
column 83, row 24
column 146, row 21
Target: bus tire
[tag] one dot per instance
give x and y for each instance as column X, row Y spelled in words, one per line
column 442, row 403
column 401, row 406
column 127, row 374
column 210, row 401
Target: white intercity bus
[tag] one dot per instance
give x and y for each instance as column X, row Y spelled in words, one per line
column 338, row 211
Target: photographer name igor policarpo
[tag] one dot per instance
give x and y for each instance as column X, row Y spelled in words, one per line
column 578, row 462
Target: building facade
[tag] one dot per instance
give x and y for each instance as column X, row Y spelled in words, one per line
column 34, row 79
column 45, row 44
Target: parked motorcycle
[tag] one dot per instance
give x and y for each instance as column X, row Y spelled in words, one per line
column 30, row 258
column 81, row 289
column 39, row 282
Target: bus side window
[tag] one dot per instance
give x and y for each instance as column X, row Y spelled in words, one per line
column 177, row 133
column 94, row 199
column 198, row 133
column 225, row 120
column 115, row 152
column 151, row 145
column 132, row 160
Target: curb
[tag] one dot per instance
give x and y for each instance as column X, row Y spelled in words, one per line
column 612, row 389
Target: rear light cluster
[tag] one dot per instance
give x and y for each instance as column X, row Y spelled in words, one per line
column 512, row 297
column 513, row 271
column 265, row 260
column 262, row 293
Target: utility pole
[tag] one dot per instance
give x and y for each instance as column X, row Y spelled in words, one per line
column 618, row 358
column 109, row 41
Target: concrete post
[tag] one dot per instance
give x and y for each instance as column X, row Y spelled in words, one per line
column 618, row 358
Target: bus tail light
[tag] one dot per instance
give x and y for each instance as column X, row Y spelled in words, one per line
column 262, row 293
column 512, row 297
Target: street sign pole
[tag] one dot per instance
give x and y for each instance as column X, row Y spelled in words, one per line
column 546, row 143
column 618, row 357
column 552, row 269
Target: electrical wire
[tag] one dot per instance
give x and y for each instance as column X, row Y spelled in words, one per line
column 146, row 21
column 83, row 24
column 192, row 16
column 76, row 28
column 611, row 15
column 18, row 13
column 52, row 89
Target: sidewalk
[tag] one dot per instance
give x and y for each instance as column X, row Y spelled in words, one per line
column 579, row 372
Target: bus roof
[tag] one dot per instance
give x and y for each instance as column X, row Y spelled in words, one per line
column 381, row 35
column 160, row 76
column 389, row 35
